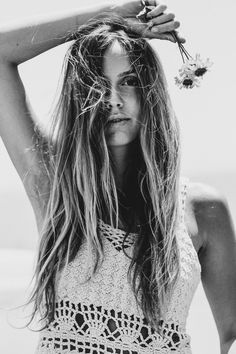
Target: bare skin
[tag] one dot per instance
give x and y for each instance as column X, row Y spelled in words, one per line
column 212, row 232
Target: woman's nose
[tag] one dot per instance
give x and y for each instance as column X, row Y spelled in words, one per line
column 115, row 100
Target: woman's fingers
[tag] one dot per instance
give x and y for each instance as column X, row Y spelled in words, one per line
column 159, row 9
column 145, row 31
column 180, row 39
column 165, row 36
column 159, row 25
column 161, row 22
column 162, row 19
column 165, row 27
column 171, row 38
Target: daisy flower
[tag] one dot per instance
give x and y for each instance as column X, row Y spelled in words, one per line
column 195, row 66
column 187, row 81
column 192, row 69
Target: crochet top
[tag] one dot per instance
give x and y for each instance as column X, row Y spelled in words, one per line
column 102, row 315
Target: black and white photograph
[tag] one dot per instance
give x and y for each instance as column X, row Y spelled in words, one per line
column 118, row 177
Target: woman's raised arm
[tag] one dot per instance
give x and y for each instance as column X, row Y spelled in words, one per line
column 19, row 43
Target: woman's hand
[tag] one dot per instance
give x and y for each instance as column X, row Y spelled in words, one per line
column 160, row 24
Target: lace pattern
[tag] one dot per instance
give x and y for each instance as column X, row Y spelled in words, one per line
column 102, row 316
column 115, row 236
column 88, row 323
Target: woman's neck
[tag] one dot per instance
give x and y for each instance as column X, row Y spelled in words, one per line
column 122, row 157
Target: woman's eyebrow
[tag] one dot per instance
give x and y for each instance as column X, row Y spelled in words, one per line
column 130, row 71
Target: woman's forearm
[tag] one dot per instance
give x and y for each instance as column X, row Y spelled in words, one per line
column 19, row 43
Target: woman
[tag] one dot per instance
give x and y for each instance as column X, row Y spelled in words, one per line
column 123, row 240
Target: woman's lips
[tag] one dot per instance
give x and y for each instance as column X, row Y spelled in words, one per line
column 118, row 121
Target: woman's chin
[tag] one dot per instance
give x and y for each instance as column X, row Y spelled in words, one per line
column 119, row 140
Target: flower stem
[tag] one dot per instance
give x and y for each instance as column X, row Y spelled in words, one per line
column 182, row 50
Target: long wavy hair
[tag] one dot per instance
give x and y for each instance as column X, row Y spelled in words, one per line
column 81, row 186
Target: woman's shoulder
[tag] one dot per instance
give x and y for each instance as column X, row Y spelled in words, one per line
column 205, row 205
column 204, row 197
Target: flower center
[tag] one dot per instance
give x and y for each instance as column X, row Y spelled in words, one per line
column 200, row 71
column 187, row 82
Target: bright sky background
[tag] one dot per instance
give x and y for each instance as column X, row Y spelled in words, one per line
column 206, row 114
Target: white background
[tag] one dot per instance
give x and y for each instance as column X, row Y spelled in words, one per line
column 207, row 121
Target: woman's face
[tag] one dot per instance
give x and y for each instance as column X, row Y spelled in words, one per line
column 123, row 100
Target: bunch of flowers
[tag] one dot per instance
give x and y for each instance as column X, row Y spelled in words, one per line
column 192, row 70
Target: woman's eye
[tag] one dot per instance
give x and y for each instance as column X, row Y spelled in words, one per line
column 130, row 81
